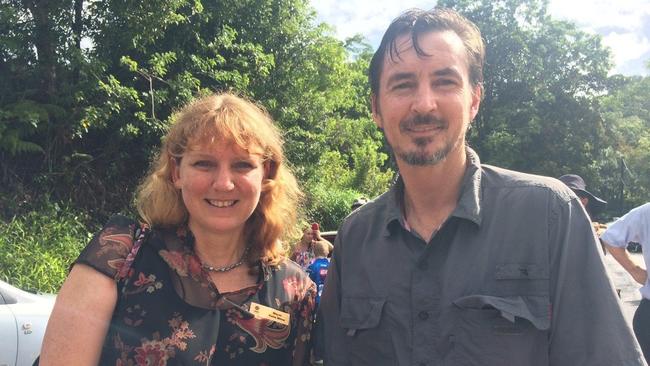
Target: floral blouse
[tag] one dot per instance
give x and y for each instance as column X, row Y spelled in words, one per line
column 169, row 312
column 304, row 258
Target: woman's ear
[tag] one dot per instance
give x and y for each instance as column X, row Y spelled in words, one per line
column 175, row 175
column 270, row 169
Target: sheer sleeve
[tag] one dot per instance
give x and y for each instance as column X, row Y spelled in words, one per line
column 305, row 315
column 109, row 249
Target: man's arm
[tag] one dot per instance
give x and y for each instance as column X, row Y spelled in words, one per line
column 587, row 323
column 331, row 336
column 624, row 230
column 639, row 274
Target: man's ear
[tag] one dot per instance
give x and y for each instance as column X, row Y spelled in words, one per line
column 376, row 114
column 477, row 94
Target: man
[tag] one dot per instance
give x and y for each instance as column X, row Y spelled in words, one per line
column 358, row 203
column 461, row 263
column 634, row 226
column 590, row 202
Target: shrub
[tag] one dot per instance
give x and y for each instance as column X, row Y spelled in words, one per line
column 329, row 205
column 37, row 247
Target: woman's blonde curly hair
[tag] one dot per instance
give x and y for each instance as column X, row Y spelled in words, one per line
column 226, row 118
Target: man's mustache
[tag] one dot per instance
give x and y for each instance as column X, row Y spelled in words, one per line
column 421, row 120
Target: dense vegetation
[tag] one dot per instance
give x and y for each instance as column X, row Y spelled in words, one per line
column 87, row 89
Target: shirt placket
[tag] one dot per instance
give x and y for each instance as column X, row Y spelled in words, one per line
column 426, row 299
column 425, row 305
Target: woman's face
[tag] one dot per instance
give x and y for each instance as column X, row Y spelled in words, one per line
column 220, row 185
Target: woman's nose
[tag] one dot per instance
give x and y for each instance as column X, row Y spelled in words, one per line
column 223, row 180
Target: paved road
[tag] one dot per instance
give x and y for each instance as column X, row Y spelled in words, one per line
column 630, row 296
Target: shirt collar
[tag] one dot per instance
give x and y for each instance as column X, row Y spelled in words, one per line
column 393, row 210
column 469, row 202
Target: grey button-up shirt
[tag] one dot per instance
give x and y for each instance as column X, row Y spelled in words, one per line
column 513, row 277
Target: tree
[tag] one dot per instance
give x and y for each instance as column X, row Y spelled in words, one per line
column 542, row 80
column 40, row 62
column 115, row 99
column 626, row 112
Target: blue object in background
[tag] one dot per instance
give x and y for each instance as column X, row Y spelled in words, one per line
column 318, row 272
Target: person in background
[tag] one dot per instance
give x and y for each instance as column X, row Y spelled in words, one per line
column 303, row 251
column 592, row 204
column 318, row 268
column 358, row 203
column 462, row 263
column 634, row 226
column 317, row 271
column 204, row 280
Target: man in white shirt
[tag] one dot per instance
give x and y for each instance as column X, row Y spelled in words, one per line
column 634, row 226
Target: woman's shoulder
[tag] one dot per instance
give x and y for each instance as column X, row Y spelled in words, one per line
column 110, row 248
column 288, row 276
column 287, row 267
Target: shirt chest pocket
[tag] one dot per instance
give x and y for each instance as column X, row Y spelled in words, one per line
column 368, row 339
column 510, row 326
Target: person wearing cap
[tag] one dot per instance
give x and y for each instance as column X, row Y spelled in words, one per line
column 594, row 205
column 634, row 226
column 358, row 203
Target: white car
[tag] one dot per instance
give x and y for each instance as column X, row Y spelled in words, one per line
column 23, row 318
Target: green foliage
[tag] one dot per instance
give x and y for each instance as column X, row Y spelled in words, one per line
column 626, row 114
column 37, row 248
column 80, row 125
column 356, row 161
column 17, row 122
column 349, row 171
column 333, row 205
column 542, row 78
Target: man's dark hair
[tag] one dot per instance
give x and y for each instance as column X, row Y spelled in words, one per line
column 416, row 22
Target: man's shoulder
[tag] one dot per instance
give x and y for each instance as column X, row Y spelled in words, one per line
column 642, row 211
column 637, row 218
column 497, row 178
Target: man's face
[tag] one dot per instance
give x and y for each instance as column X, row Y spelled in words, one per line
column 425, row 103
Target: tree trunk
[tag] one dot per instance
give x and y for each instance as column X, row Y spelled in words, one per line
column 77, row 31
column 45, row 43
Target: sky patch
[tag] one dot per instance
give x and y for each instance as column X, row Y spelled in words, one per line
column 623, row 24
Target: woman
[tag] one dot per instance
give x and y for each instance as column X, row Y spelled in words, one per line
column 205, row 280
column 303, row 251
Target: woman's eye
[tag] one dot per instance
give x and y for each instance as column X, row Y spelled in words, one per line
column 203, row 164
column 244, row 165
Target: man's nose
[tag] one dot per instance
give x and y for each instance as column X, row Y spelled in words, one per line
column 424, row 100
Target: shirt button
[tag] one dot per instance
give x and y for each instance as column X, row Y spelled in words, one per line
column 423, row 315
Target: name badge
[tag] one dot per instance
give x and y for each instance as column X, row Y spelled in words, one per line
column 265, row 312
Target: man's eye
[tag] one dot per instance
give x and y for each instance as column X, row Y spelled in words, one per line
column 402, row 86
column 445, row 82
